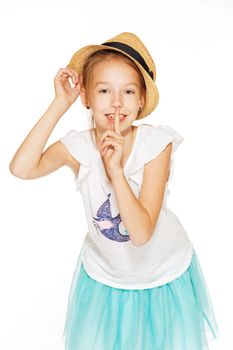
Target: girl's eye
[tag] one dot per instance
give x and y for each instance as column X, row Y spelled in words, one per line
column 103, row 90
column 129, row 92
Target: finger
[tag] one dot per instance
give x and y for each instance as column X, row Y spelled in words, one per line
column 66, row 71
column 104, row 149
column 117, row 121
column 111, row 142
column 109, row 153
column 108, row 141
column 110, row 133
column 70, row 72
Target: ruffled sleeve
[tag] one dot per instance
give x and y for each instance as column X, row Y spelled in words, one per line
column 77, row 145
column 154, row 140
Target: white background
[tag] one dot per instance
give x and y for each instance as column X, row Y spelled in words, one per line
column 43, row 221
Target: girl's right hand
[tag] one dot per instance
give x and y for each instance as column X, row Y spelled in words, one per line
column 63, row 87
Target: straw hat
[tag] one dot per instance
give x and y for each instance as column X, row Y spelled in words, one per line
column 131, row 46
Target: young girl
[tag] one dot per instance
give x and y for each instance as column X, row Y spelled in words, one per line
column 138, row 283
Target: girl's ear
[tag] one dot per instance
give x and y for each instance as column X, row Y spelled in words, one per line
column 83, row 96
column 83, row 93
column 142, row 100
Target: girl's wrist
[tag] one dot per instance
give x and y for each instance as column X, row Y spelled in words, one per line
column 116, row 173
column 61, row 103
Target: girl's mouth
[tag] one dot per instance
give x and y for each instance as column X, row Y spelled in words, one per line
column 111, row 117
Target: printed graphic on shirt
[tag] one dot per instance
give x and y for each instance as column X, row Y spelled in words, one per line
column 109, row 226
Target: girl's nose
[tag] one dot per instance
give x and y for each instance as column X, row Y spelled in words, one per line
column 116, row 101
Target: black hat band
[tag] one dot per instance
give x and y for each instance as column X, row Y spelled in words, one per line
column 131, row 52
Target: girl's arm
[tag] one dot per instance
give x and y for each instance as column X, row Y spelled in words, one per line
column 140, row 215
column 26, row 161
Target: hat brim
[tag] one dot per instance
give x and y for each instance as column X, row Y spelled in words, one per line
column 152, row 95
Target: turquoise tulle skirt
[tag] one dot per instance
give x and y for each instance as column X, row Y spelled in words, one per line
column 175, row 316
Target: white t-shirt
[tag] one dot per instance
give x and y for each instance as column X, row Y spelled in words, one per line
column 107, row 253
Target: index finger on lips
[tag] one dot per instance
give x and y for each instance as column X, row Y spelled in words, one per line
column 117, row 121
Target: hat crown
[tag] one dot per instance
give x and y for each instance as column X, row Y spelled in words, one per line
column 134, row 42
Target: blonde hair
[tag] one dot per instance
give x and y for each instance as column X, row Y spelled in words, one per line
column 103, row 55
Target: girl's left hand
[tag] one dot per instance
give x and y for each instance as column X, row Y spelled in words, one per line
column 111, row 146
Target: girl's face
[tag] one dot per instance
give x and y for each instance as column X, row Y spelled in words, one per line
column 114, row 84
